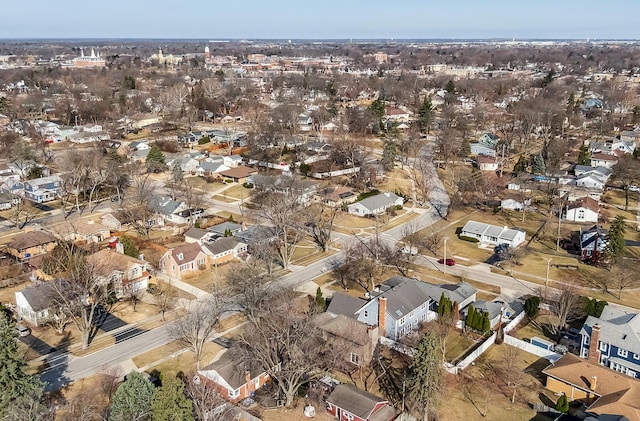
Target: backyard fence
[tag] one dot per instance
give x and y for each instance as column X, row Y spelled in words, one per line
column 532, row 349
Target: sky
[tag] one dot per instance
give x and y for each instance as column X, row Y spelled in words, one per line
column 323, row 19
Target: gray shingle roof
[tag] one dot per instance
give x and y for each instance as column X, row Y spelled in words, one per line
column 222, row 244
column 345, row 304
column 164, row 205
column 382, row 200
column 40, row 297
column 618, row 328
column 233, row 371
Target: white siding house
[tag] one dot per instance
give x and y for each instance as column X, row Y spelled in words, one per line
column 492, row 234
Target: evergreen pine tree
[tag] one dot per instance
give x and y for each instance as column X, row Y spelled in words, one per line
column 441, row 305
column 562, row 404
column 19, row 392
column 425, row 375
column 471, row 313
column 389, row 154
column 155, row 160
column 425, row 115
column 133, row 398
column 170, row 402
column 616, row 242
column 129, row 246
column 520, row 166
column 584, row 157
column 320, row 300
column 486, row 322
column 538, row 166
column 531, row 306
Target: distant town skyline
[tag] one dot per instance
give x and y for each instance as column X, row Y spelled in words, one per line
column 330, row 19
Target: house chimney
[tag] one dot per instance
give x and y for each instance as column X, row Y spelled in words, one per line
column 594, row 383
column 247, row 377
column 594, row 353
column 382, row 315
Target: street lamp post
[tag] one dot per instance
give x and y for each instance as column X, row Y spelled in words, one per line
column 444, row 268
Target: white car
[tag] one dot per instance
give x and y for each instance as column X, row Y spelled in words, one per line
column 634, row 188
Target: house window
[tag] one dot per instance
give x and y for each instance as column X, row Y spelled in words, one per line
column 586, row 340
column 402, row 321
column 581, row 214
column 623, row 353
column 366, row 313
column 603, row 346
column 354, row 358
column 636, row 357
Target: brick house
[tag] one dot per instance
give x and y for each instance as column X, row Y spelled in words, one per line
column 184, row 259
column 233, row 380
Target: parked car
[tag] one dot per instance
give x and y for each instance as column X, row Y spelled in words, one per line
column 634, row 188
column 23, row 330
column 448, row 262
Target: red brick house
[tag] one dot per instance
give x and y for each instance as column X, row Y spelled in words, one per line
column 348, row 403
column 232, row 379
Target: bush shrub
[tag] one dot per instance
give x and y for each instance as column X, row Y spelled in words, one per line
column 469, row 239
column 204, row 140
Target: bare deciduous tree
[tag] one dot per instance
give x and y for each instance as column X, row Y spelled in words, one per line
column 566, row 304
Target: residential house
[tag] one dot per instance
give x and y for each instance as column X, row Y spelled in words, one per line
column 486, row 145
column 8, row 200
column 348, row 403
column 124, row 273
column 603, row 160
column 602, row 172
column 211, row 168
column 632, row 135
column 593, row 243
column 257, row 235
column 612, row 145
column 227, row 227
column 29, row 244
column 604, row 392
column 233, row 379
column 494, row 309
column 224, row 250
column 487, row 163
column 591, row 180
column 354, row 340
column 399, row 304
column 34, row 304
column 197, row 235
column 302, row 190
column 397, row 115
column 375, row 205
column 111, row 222
column 238, row 174
column 583, row 210
column 492, row 234
column 573, row 193
column 613, row 340
column 337, row 195
column 183, row 260
column 175, row 212
column 81, row 230
column 43, row 189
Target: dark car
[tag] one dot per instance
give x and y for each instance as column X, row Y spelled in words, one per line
column 448, row 262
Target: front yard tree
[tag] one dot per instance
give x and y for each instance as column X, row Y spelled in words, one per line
column 133, row 399
column 389, row 154
column 566, row 305
column 80, row 288
column 425, row 115
column 616, row 244
column 288, row 347
column 532, row 306
column 170, row 402
column 198, row 326
column 319, row 220
column 155, row 160
column 19, row 391
column 426, row 376
column 627, row 173
column 584, row 157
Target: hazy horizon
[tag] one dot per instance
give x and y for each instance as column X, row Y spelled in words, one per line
column 329, row 20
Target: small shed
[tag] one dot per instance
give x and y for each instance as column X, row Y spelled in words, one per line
column 542, row 343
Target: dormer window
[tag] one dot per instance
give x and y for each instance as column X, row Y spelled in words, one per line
column 180, row 256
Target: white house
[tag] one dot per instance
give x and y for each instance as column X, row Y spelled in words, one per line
column 514, row 204
column 375, row 205
column 591, row 181
column 33, row 304
column 487, row 163
column 583, row 210
column 492, row 234
column 603, row 160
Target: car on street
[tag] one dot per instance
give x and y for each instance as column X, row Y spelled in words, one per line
column 448, row 262
column 23, row 330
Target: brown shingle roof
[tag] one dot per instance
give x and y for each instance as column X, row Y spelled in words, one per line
column 189, row 252
column 107, row 260
column 233, row 371
column 238, row 172
column 30, row 239
column 619, row 394
column 585, row 202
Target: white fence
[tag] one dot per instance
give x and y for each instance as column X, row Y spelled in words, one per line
column 476, row 353
column 532, row 349
column 397, row 346
column 335, row 173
